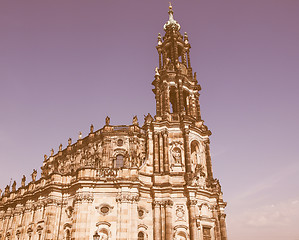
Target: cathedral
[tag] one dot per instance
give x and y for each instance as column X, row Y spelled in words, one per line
column 128, row 182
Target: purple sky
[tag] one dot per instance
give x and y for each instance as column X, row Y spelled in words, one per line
column 67, row 64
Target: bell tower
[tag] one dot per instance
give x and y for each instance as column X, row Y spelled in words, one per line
column 176, row 88
column 187, row 199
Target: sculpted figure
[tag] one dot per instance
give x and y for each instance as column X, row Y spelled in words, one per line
column 91, row 128
column 14, row 186
column 167, row 61
column 0, row 193
column 23, row 181
column 33, row 175
column 126, row 160
column 107, row 121
column 135, row 121
column 60, row 147
column 52, row 152
column 148, row 118
column 70, row 141
column 6, row 191
column 157, row 72
column 176, row 154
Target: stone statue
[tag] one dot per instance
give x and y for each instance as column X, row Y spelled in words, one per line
column 52, row 152
column 23, row 181
column 127, row 160
column 135, row 121
column 0, row 192
column 91, row 128
column 33, row 175
column 70, row 141
column 14, row 186
column 176, row 154
column 6, row 191
column 167, row 61
column 80, row 135
column 148, row 118
column 199, row 170
column 45, row 157
column 157, row 72
column 60, row 147
column 107, row 121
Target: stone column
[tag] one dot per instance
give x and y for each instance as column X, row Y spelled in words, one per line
column 163, row 220
column 223, row 226
column 21, row 222
column 156, row 153
column 165, row 151
column 187, row 106
column 168, row 219
column 197, row 106
column 184, row 60
column 6, row 220
column 161, row 157
column 177, row 100
column 158, row 102
column 192, row 219
column 188, row 57
column 157, row 220
column 187, row 150
column 167, row 102
column 126, row 225
column 82, row 202
column 181, row 97
column 208, row 160
column 150, row 148
column 134, row 217
column 217, row 225
column 50, row 219
column 2, row 219
column 160, row 60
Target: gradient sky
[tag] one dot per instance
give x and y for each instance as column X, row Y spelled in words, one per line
column 67, row 64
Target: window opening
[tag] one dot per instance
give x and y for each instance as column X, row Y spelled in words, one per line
column 119, row 162
column 141, row 236
column 173, row 100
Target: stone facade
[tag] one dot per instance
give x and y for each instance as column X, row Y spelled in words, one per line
column 129, row 182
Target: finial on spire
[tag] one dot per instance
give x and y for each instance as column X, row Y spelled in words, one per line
column 171, row 21
column 159, row 39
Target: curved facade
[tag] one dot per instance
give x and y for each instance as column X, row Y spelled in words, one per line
column 129, row 182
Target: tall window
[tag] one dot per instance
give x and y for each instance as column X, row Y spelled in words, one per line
column 141, row 236
column 185, row 97
column 206, row 233
column 173, row 100
column 119, row 161
column 68, row 234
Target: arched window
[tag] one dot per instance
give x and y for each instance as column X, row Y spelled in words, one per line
column 186, row 100
column 67, row 234
column 141, row 236
column 173, row 100
column 103, row 234
column 119, row 161
column 180, row 236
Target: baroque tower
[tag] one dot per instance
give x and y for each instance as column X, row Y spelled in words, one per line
column 181, row 152
column 129, row 182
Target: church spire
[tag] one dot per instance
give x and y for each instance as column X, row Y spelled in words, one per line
column 171, row 23
column 176, row 88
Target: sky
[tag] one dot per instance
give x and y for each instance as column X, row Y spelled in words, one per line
column 65, row 64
